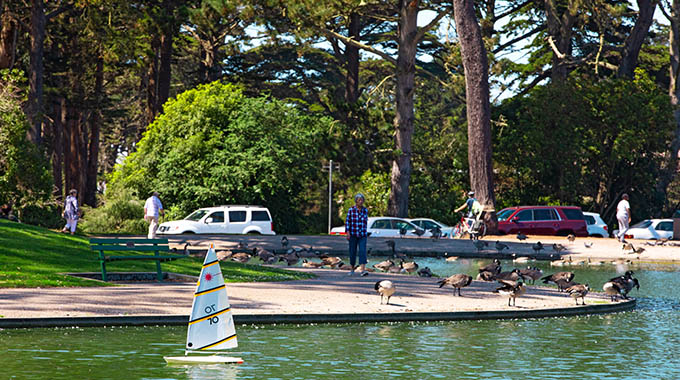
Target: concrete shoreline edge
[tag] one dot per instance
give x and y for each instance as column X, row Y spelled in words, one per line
column 152, row 320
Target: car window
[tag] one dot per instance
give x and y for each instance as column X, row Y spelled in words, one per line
column 237, row 216
column 399, row 224
column 382, row 224
column 418, row 223
column 573, row 214
column 217, row 217
column 643, row 224
column 664, row 226
column 524, row 216
column 260, row 216
column 504, row 214
column 196, row 215
column 545, row 214
column 589, row 219
column 428, row 225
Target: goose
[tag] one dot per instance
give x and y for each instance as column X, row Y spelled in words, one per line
column 458, row 281
column 386, row 289
column 480, row 245
column 596, row 262
column 241, row 245
column 531, row 273
column 537, row 247
column 559, row 263
column 392, row 245
column 571, row 238
column 266, row 256
column 558, row 248
column 511, row 289
column 290, row 259
column 311, row 264
column 240, row 257
column 452, row 258
column 500, row 246
column 638, row 250
column 627, row 247
column 284, row 242
column 494, row 267
column 564, row 284
column 588, row 245
column 513, row 275
column 578, row 291
column 486, row 276
column 558, row 278
column 332, row 262
column 409, row 267
column 521, row 260
column 624, row 283
column 394, row 269
column 425, row 272
column 521, row 236
column 343, row 266
column 612, row 289
column 185, row 250
column 384, row 265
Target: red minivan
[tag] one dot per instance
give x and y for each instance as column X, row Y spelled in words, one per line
column 542, row 220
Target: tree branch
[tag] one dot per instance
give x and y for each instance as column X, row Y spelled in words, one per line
column 432, row 24
column 519, row 38
column 358, row 44
column 511, row 10
column 58, row 11
column 557, row 52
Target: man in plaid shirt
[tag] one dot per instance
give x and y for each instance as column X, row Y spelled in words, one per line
column 356, row 229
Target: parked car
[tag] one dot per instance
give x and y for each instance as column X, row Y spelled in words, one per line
column 542, row 220
column 230, row 219
column 652, row 229
column 387, row 226
column 428, row 224
column 596, row 226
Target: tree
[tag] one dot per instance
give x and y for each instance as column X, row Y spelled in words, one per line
column 478, row 109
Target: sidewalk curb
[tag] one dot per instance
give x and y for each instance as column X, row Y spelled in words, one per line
column 152, row 320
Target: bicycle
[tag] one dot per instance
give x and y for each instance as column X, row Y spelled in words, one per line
column 471, row 227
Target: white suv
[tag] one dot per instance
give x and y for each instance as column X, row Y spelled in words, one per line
column 230, row 219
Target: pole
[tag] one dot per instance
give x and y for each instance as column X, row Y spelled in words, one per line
column 330, row 194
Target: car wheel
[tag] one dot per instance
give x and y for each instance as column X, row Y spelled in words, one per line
column 252, row 233
column 596, row 236
column 188, row 233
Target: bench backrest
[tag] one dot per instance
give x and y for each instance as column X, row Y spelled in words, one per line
column 139, row 245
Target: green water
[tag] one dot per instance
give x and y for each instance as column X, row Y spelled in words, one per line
column 642, row 344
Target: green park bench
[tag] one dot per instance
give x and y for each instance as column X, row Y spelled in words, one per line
column 133, row 246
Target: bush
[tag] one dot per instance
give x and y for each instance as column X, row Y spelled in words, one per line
column 121, row 213
column 46, row 215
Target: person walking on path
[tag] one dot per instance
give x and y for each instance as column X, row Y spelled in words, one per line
column 623, row 216
column 71, row 212
column 152, row 209
column 356, row 227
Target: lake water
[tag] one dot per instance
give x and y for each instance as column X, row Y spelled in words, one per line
column 641, row 344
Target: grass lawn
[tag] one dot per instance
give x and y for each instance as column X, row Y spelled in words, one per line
column 33, row 257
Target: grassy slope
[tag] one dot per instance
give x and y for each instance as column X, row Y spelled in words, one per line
column 32, row 257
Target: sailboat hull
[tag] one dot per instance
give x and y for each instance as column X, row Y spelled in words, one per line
column 212, row 359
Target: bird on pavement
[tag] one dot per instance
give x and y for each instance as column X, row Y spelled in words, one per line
column 627, row 247
column 511, row 289
column 588, row 245
column 638, row 250
column 480, row 245
column 500, row 246
column 494, row 267
column 558, row 248
column 425, row 272
column 571, row 238
column 458, row 281
column 521, row 236
column 513, row 275
column 578, row 291
column 532, row 273
column 486, row 276
column 384, row 265
column 621, row 285
column 284, row 242
column 386, row 289
column 559, row 279
column 537, row 247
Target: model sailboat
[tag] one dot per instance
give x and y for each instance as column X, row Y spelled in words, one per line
column 211, row 325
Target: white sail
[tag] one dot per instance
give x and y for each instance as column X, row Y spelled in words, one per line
column 211, row 325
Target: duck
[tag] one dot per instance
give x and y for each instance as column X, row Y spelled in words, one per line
column 511, row 289
column 425, row 272
column 521, row 236
column 486, row 276
column 332, row 262
column 408, row 267
column 386, row 289
column 571, row 238
column 241, row 257
column 384, row 265
column 494, row 267
column 501, row 246
column 559, row 278
column 532, row 273
column 578, row 291
column 513, row 275
column 458, row 281
column 537, row 247
column 311, row 264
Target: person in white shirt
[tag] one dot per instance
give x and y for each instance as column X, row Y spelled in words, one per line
column 152, row 209
column 623, row 216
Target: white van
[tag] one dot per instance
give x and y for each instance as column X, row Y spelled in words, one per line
column 229, row 219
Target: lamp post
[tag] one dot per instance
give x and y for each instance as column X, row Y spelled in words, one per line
column 330, row 168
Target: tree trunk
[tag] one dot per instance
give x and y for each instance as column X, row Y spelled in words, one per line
column 403, row 121
column 670, row 169
column 152, row 81
column 637, row 36
column 90, row 194
column 168, row 31
column 35, row 78
column 58, row 146
column 8, row 39
column 476, row 66
column 560, row 31
column 352, row 61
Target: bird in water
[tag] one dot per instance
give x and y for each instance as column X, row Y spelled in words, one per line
column 560, row 279
column 425, row 272
column 494, row 267
column 571, row 238
column 500, row 246
column 511, row 289
column 537, row 247
column 578, row 291
column 386, row 289
column 531, row 273
column 458, row 281
column 521, row 236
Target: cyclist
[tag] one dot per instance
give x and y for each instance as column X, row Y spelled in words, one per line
column 474, row 208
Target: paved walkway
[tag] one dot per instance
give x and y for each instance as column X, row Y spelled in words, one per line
column 332, row 292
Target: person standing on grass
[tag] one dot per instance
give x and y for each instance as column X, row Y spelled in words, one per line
column 623, row 216
column 356, row 227
column 152, row 209
column 71, row 212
